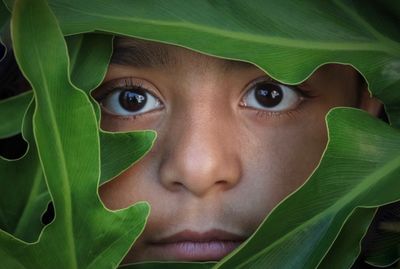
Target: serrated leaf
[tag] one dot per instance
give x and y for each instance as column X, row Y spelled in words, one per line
column 20, row 214
column 289, row 48
column 90, row 55
column 42, row 56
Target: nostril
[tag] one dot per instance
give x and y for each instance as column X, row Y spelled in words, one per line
column 221, row 182
column 224, row 184
column 176, row 185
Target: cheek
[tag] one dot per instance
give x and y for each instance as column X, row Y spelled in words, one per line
column 283, row 157
column 135, row 184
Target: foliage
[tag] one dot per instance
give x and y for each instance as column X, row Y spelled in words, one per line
column 320, row 225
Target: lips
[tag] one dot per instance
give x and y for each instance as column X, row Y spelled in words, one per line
column 189, row 245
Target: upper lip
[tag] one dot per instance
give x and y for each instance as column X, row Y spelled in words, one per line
column 193, row 236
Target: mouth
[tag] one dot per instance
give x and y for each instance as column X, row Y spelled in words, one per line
column 189, row 245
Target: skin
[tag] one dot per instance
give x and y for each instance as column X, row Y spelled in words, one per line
column 218, row 163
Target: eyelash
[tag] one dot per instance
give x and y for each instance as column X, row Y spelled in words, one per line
column 131, row 83
column 110, row 86
column 301, row 89
column 277, row 115
column 128, row 83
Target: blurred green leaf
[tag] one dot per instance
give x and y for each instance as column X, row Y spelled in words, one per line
column 61, row 135
column 9, row 4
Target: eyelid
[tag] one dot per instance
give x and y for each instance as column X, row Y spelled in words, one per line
column 103, row 90
column 301, row 88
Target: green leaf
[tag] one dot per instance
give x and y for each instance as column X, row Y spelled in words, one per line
column 12, row 112
column 351, row 233
column 20, row 214
column 315, row 33
column 89, row 57
column 121, row 150
column 360, row 168
column 361, row 162
column 61, row 135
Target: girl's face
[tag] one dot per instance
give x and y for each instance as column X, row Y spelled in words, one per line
column 232, row 143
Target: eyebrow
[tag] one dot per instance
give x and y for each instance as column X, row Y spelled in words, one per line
column 138, row 53
column 147, row 54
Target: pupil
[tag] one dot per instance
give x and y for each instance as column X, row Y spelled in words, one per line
column 268, row 94
column 133, row 100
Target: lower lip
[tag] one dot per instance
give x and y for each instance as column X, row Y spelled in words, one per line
column 197, row 251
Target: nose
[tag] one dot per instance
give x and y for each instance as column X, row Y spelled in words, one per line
column 203, row 154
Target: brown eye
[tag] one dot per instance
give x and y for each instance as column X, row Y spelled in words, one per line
column 133, row 100
column 268, row 94
column 130, row 101
column 271, row 96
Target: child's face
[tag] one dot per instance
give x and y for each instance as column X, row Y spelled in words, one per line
column 231, row 143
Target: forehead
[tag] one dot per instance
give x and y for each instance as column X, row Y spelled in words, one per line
column 138, row 53
column 148, row 54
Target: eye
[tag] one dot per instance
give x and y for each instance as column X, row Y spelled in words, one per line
column 271, row 96
column 129, row 101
